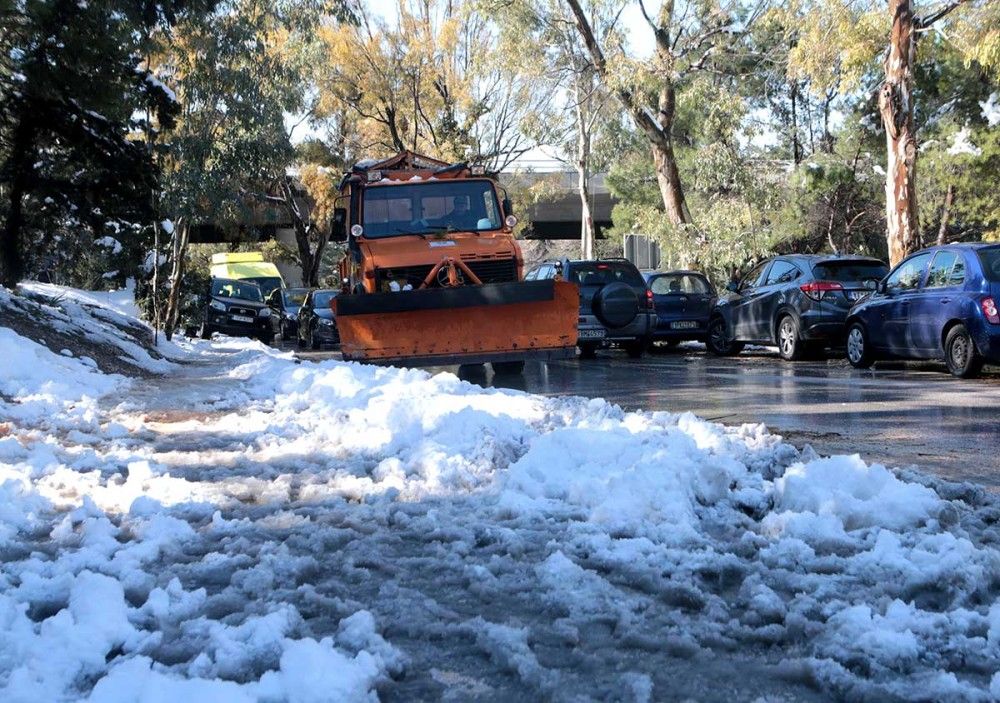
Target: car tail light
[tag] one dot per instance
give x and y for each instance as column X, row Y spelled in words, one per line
column 990, row 310
column 817, row 289
column 649, row 299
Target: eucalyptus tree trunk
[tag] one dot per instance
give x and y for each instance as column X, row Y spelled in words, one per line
column 583, row 87
column 181, row 239
column 896, row 107
column 657, row 129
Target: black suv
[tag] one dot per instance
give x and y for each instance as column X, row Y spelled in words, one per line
column 798, row 302
column 616, row 305
column 236, row 308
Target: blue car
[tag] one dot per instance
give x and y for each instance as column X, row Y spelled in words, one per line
column 938, row 303
column 683, row 301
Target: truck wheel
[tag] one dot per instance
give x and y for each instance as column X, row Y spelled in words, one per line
column 508, row 368
column 635, row 348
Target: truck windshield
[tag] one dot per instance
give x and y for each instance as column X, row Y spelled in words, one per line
column 430, row 208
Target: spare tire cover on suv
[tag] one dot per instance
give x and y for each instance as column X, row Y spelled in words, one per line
column 616, row 304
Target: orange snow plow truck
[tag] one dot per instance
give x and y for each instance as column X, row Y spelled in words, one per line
column 432, row 274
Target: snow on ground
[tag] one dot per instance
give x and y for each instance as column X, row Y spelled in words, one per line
column 246, row 527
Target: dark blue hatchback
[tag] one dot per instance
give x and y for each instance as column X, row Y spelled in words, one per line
column 938, row 303
column 683, row 302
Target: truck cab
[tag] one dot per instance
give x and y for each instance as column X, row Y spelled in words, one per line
column 402, row 216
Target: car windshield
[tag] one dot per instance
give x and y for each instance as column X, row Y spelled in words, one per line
column 267, row 284
column 294, row 298
column 241, row 290
column 990, row 258
column 850, row 271
column 430, row 208
column 321, row 299
column 676, row 283
column 598, row 273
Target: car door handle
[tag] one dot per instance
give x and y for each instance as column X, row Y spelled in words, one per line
column 944, row 301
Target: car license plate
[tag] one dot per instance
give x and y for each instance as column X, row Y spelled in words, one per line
column 590, row 334
column 684, row 325
column 242, row 318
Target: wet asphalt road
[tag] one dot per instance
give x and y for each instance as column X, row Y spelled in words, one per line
column 896, row 414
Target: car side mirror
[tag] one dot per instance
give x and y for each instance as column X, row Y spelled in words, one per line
column 732, row 286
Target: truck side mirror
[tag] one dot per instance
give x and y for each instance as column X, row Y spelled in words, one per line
column 508, row 207
column 338, row 232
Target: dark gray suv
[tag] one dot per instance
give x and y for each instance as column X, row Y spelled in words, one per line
column 616, row 305
column 798, row 302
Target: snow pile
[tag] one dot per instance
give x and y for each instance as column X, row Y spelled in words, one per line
column 245, row 529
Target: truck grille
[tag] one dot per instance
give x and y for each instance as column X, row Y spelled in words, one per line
column 495, row 271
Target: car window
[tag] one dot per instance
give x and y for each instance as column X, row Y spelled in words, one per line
column 782, row 272
column 753, row 279
column 850, row 271
column 322, row 298
column 941, row 269
column 531, row 275
column 682, row 283
column 908, row 274
column 957, row 276
column 600, row 273
column 990, row 259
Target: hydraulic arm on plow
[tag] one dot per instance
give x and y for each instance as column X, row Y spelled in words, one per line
column 433, row 274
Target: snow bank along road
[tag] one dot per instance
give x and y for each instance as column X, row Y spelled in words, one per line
column 242, row 527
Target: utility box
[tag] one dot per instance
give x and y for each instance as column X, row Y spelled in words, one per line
column 642, row 251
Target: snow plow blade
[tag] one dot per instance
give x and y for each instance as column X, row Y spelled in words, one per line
column 463, row 325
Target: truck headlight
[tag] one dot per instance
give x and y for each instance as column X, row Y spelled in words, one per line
column 216, row 305
column 264, row 312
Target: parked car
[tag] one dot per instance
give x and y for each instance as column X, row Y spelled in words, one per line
column 938, row 303
column 236, row 308
column 284, row 304
column 797, row 302
column 317, row 324
column 683, row 302
column 616, row 305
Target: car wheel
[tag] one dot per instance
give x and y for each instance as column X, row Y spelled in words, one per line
column 313, row 342
column 635, row 348
column 960, row 353
column 859, row 351
column 268, row 339
column 284, row 332
column 588, row 351
column 508, row 368
column 718, row 343
column 790, row 346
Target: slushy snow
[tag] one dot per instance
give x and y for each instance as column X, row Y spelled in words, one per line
column 248, row 528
